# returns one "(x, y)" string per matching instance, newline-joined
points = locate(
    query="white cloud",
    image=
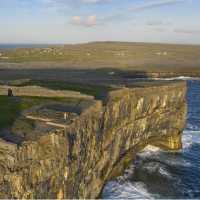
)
(92, 1)
(89, 21)
(155, 3)
(73, 2)
(155, 23)
(145, 5)
(158, 23)
(76, 20)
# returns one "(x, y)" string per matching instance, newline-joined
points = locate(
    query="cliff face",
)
(96, 147)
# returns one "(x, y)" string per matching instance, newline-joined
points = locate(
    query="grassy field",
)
(140, 56)
(97, 91)
(11, 107)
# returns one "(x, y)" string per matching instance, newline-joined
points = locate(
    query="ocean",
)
(165, 175)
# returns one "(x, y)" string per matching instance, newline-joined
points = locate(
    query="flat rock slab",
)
(38, 91)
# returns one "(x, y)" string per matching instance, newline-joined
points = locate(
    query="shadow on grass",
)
(95, 82)
(10, 108)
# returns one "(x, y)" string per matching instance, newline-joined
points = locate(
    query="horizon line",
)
(97, 41)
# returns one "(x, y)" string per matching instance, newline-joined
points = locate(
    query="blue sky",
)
(76, 21)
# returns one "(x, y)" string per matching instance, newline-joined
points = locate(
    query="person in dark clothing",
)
(10, 93)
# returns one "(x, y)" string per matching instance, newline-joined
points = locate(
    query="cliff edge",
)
(98, 145)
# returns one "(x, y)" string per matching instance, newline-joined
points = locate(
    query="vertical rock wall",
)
(99, 145)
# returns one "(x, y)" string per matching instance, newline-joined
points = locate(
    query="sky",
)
(78, 21)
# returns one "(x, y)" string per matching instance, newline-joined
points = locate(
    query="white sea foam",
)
(187, 141)
(122, 188)
(126, 190)
(177, 161)
(165, 173)
(149, 150)
(168, 79)
(192, 127)
(189, 137)
(177, 78)
(158, 154)
(197, 132)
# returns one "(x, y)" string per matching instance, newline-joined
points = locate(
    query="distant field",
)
(108, 54)
(100, 62)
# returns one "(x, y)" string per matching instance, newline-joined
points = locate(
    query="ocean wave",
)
(186, 140)
(192, 127)
(190, 137)
(127, 190)
(197, 132)
(185, 78)
(149, 150)
(158, 155)
(155, 168)
(164, 172)
(178, 78)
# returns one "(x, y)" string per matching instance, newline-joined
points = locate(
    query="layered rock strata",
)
(97, 146)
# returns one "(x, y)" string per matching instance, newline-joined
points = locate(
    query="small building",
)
(158, 53)
(88, 54)
(164, 53)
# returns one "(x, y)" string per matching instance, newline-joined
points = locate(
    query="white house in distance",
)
(165, 53)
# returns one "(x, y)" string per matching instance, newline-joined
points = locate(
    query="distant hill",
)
(121, 55)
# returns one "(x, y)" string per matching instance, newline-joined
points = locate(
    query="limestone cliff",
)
(96, 147)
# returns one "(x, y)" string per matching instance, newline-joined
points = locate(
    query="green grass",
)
(11, 107)
(98, 91)
(106, 53)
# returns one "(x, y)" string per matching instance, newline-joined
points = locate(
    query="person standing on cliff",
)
(10, 93)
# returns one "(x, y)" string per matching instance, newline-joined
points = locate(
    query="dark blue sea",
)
(162, 175)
